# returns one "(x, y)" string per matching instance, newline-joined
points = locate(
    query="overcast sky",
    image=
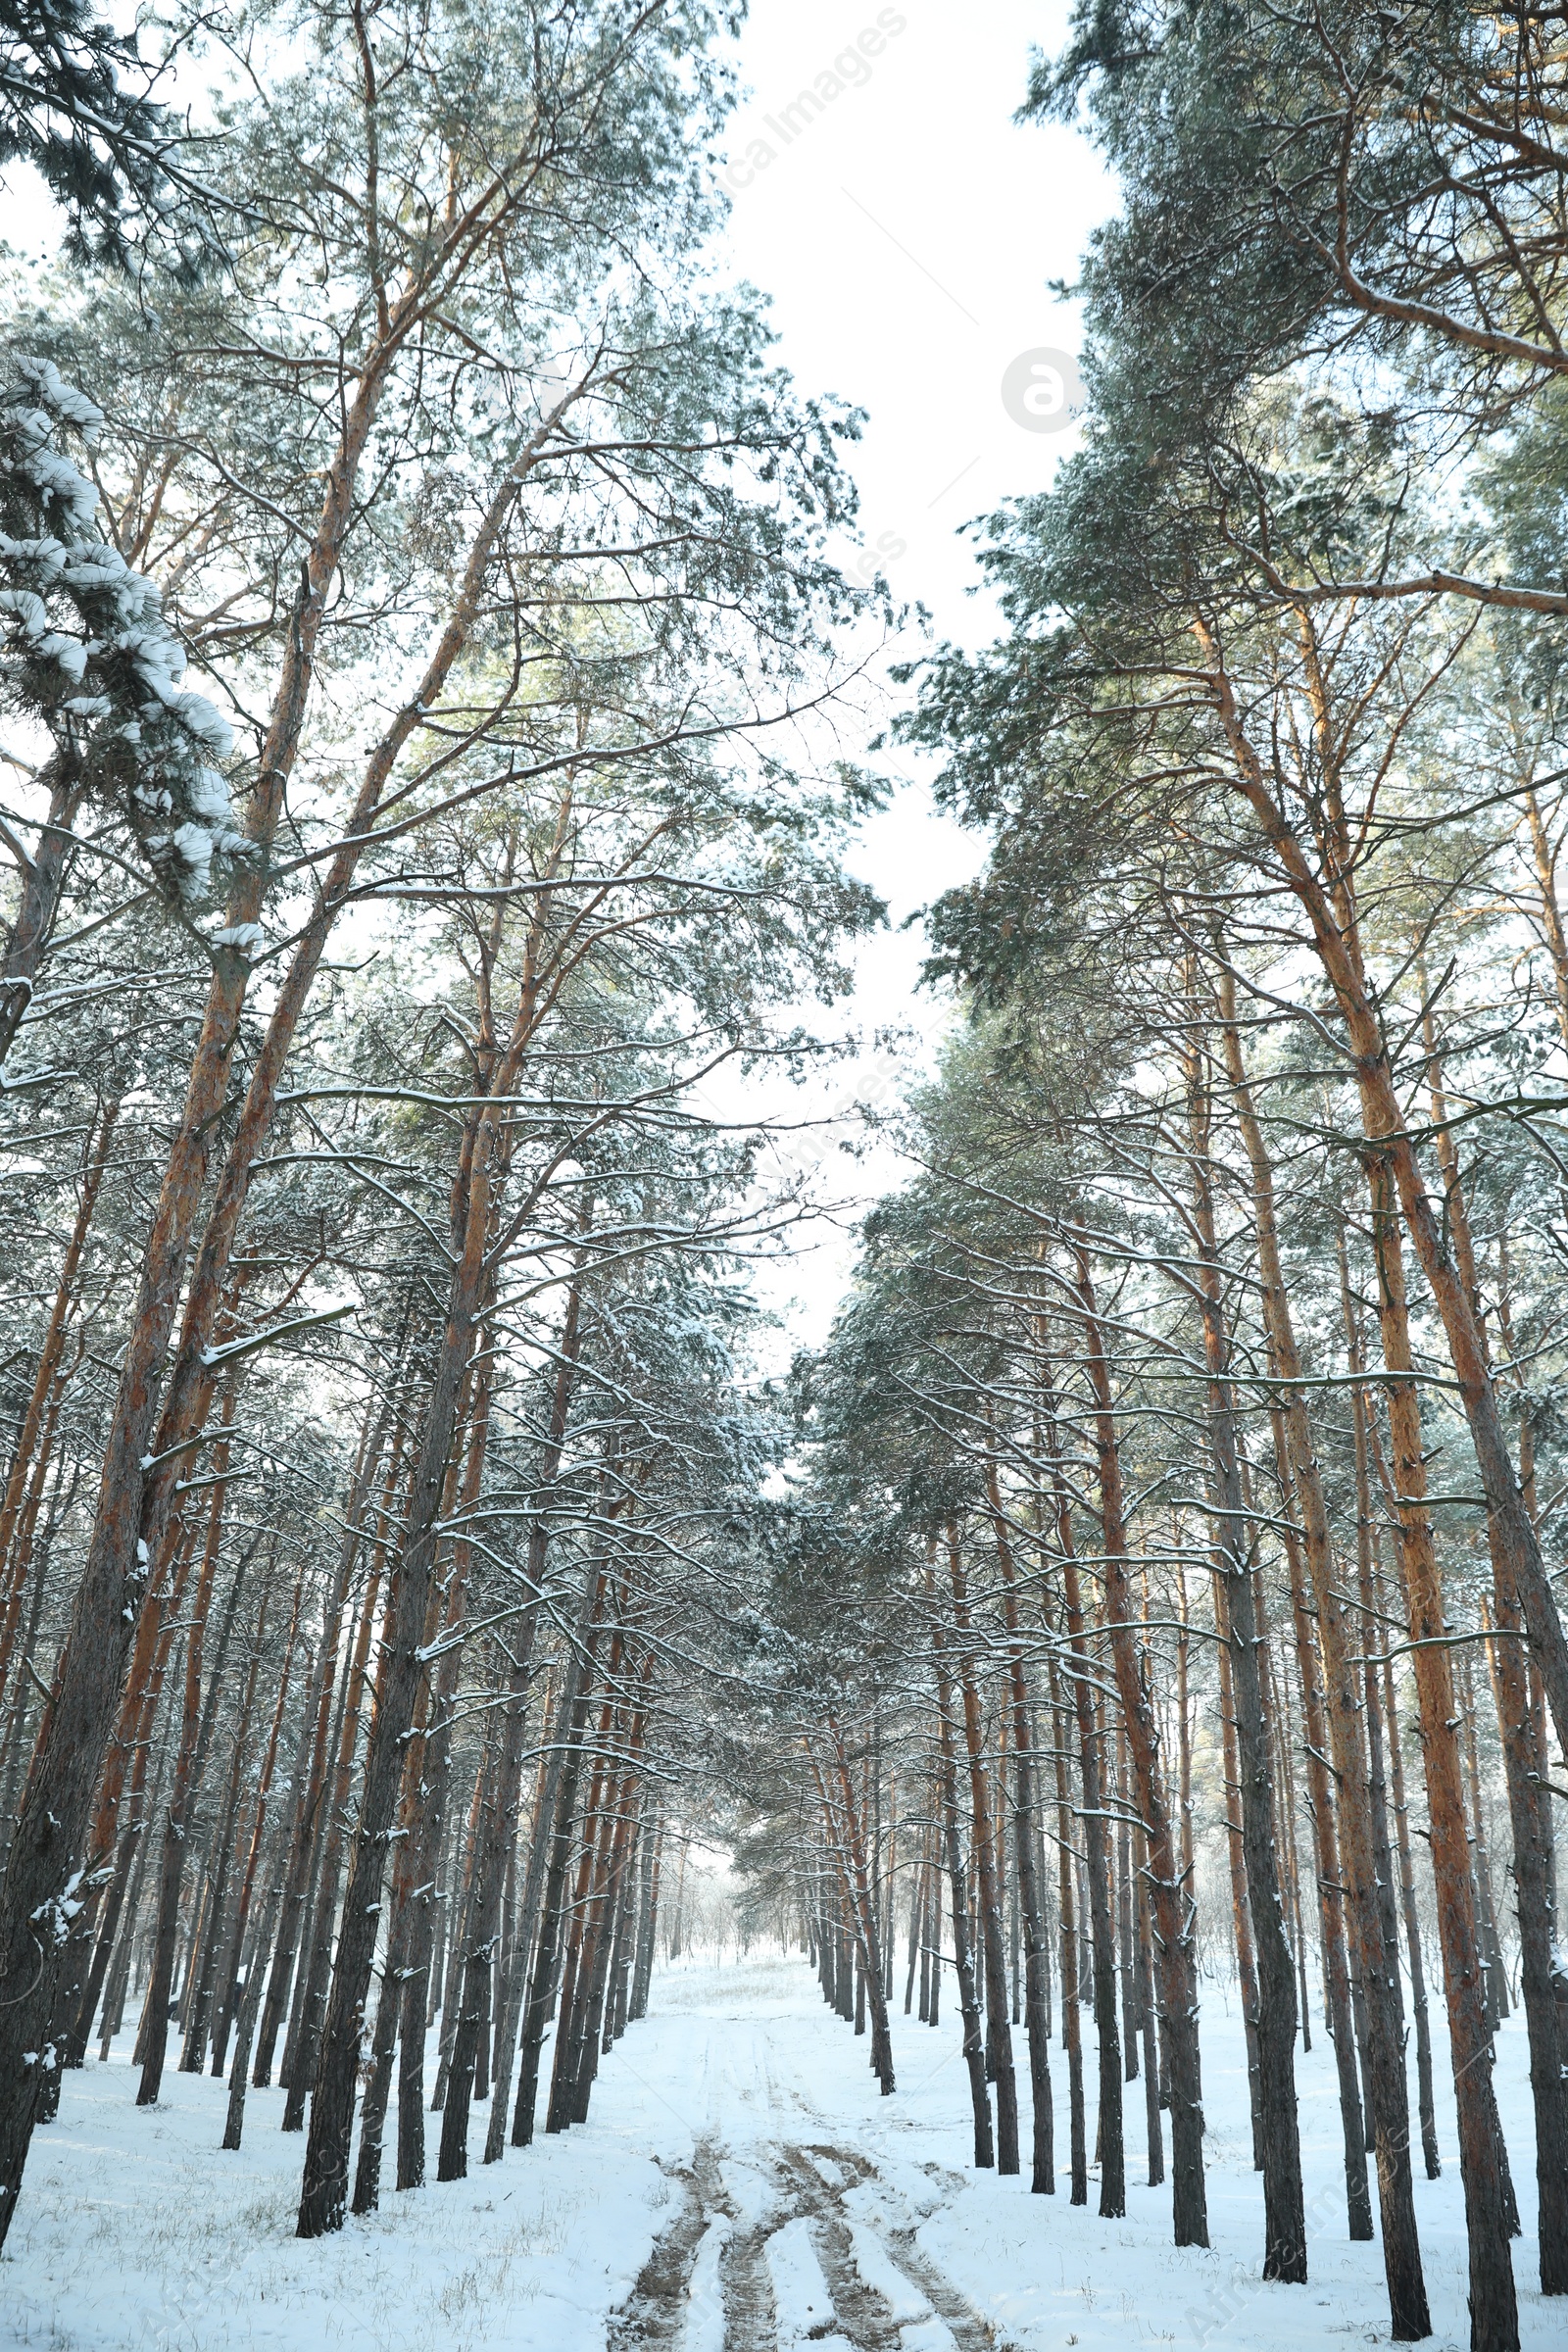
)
(908, 232)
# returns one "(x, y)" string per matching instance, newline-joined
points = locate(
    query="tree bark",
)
(1335, 925)
(497, 1827)
(558, 1822)
(963, 1960)
(1093, 1814)
(173, 1855)
(1025, 1846)
(1078, 2154)
(228, 1975)
(1388, 2099)
(998, 2034)
(1324, 1817)
(859, 1891)
(1493, 2314)
(1169, 1894)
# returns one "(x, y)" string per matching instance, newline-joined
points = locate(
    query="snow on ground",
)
(802, 2300)
(740, 2124)
(704, 2330)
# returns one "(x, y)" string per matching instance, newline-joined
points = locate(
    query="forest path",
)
(814, 2213)
(740, 2186)
(785, 2239)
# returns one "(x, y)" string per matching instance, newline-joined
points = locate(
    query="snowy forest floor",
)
(740, 2186)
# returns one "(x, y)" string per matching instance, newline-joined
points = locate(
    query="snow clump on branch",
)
(86, 653)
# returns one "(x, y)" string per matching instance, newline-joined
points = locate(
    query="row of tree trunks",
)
(1026, 1851)
(1168, 1874)
(310, 1770)
(1284, 2224)
(1494, 2309)
(180, 1798)
(993, 1949)
(1377, 1966)
(43, 1862)
(985, 2154)
(497, 1838)
(231, 1994)
(566, 1729)
(845, 1828)
(1091, 1815)
(1524, 1776)
(30, 1463)
(43, 1866)
(557, 1824)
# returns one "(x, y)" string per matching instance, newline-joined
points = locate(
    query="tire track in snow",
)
(945, 2316)
(762, 2256)
(655, 2312)
(747, 2291)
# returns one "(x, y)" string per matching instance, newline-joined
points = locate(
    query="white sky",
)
(906, 235)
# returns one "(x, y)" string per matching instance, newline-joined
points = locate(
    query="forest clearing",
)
(783, 1374)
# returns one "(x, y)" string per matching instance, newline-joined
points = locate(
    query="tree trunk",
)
(1425, 2091)
(1523, 1764)
(316, 1959)
(643, 1974)
(228, 1975)
(250, 2006)
(1494, 2314)
(383, 2048)
(1241, 1908)
(998, 2034)
(1284, 2224)
(173, 1856)
(1025, 1846)
(1334, 923)
(558, 1821)
(1094, 1815)
(1067, 1904)
(1145, 2010)
(1169, 1894)
(963, 1961)
(1324, 1815)
(1389, 2101)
